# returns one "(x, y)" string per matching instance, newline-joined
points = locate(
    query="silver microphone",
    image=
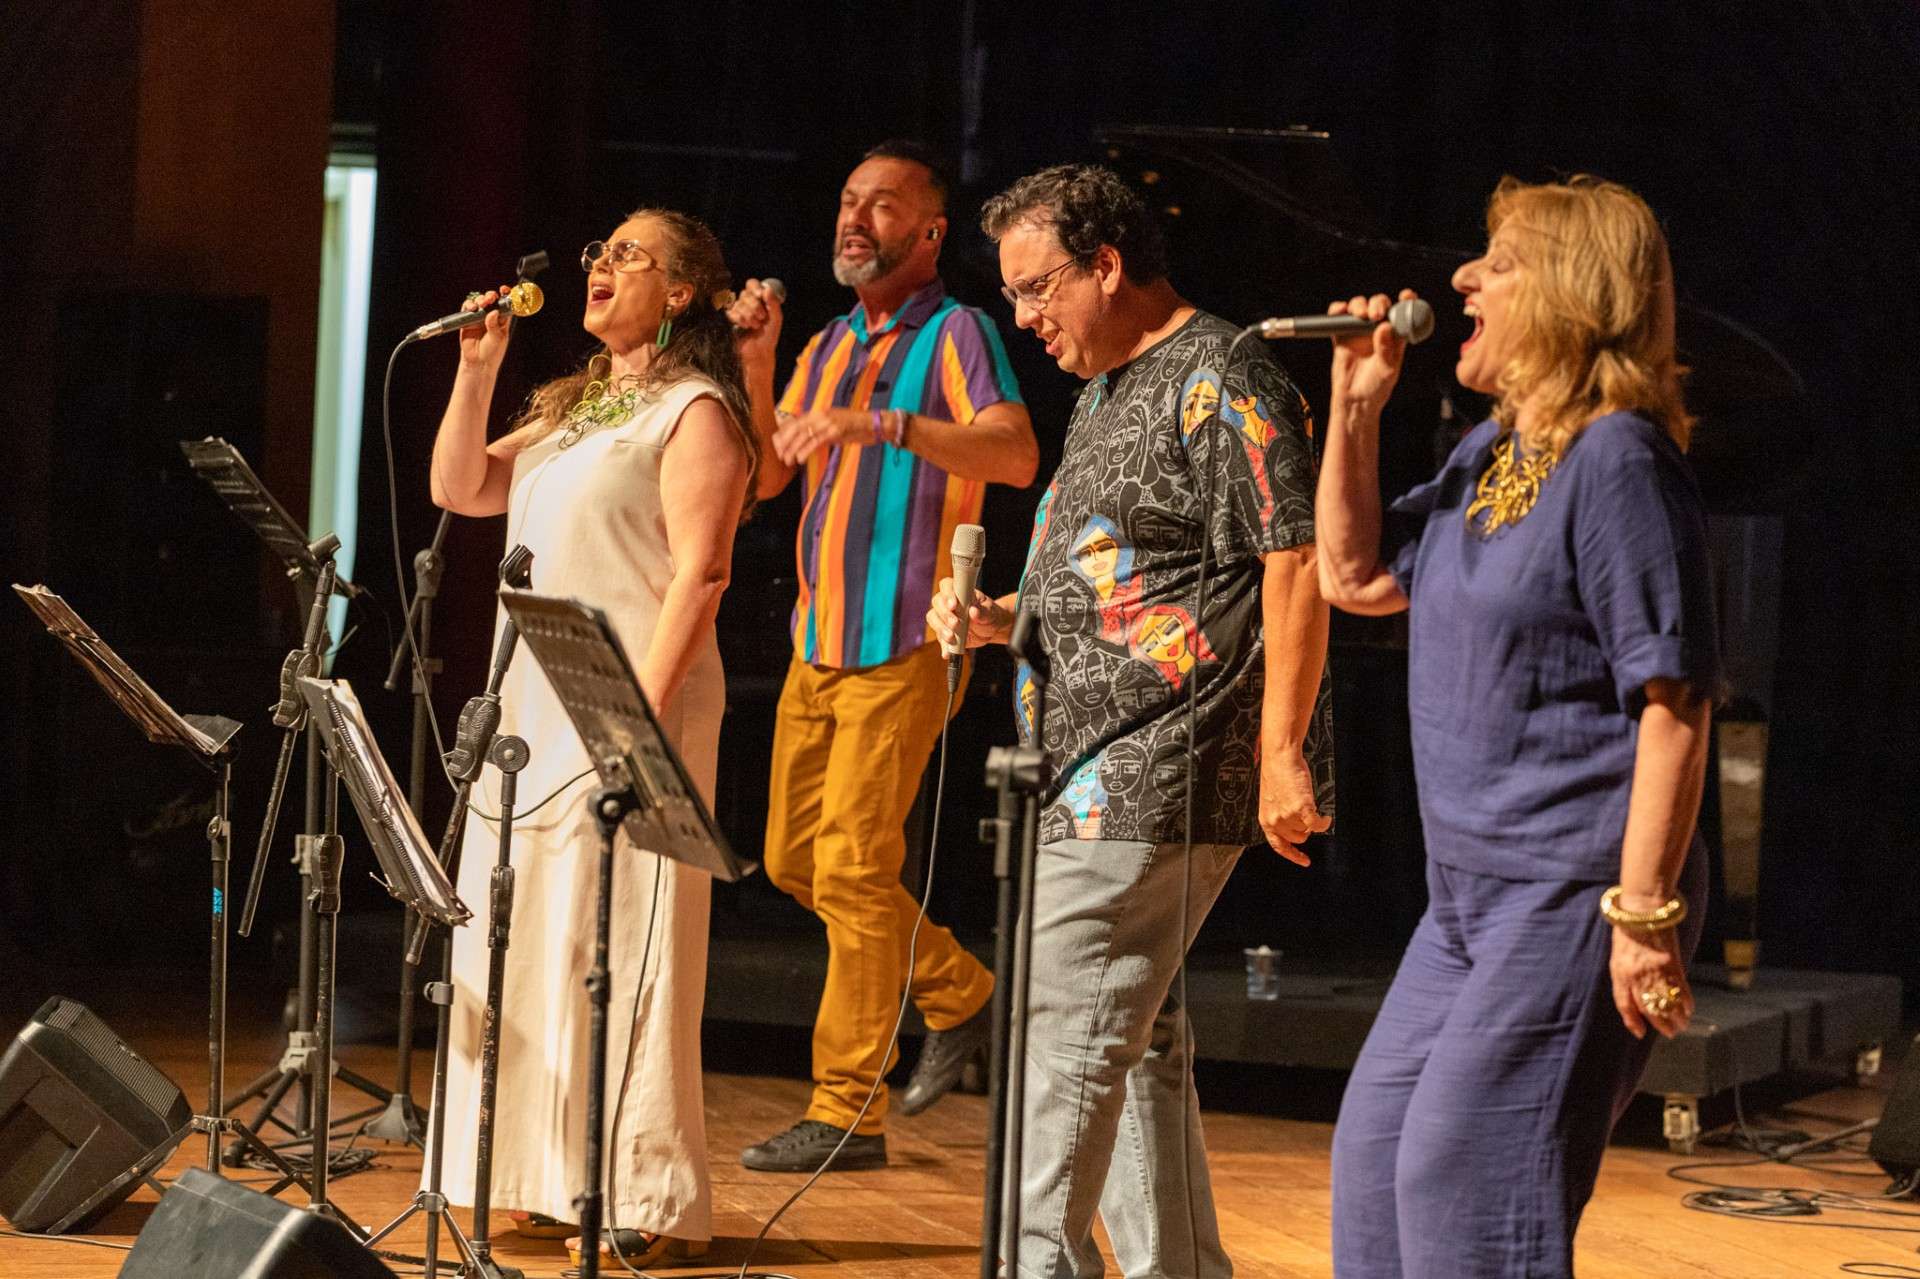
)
(968, 550)
(1411, 318)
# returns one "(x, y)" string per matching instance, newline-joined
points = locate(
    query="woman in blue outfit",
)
(1561, 666)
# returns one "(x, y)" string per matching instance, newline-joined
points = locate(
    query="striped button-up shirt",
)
(878, 521)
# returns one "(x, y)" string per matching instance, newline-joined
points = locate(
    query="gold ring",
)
(1660, 1002)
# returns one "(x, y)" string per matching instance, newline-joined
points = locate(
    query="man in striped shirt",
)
(897, 416)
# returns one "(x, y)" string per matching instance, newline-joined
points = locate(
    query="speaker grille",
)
(153, 1089)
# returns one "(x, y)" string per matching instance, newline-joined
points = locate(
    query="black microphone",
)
(1411, 318)
(522, 299)
(968, 550)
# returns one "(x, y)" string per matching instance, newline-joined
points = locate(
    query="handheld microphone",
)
(1411, 318)
(773, 289)
(522, 299)
(968, 550)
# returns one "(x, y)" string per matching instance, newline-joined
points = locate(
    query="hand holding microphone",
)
(981, 621)
(1367, 360)
(757, 315)
(487, 309)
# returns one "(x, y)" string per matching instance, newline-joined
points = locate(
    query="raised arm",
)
(703, 481)
(468, 476)
(1347, 501)
(757, 317)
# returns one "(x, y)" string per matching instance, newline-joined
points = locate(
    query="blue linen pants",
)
(1473, 1124)
(1110, 1064)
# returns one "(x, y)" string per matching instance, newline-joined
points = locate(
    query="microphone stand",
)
(401, 1121)
(474, 743)
(1020, 774)
(319, 857)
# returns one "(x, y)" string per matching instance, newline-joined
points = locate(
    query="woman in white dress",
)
(626, 479)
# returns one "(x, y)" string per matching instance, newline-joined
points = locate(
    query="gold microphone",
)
(522, 299)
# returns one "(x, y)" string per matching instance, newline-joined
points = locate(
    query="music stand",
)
(221, 465)
(411, 873)
(209, 739)
(643, 788)
(226, 471)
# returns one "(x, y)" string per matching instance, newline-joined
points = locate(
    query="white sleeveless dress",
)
(591, 515)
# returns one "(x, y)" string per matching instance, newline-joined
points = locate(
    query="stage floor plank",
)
(920, 1218)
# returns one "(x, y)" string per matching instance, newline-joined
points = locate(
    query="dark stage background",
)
(163, 204)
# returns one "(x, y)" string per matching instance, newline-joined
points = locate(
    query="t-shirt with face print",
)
(1172, 442)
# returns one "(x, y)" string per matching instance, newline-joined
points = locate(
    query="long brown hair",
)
(701, 345)
(1596, 331)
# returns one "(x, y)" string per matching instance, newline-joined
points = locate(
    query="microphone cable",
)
(415, 661)
(893, 1044)
(893, 1040)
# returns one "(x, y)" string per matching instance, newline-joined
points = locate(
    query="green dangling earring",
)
(666, 330)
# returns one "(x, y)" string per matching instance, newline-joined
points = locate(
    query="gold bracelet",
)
(1650, 921)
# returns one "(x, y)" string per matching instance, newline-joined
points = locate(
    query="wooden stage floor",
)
(920, 1218)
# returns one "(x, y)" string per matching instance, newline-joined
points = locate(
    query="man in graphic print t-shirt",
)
(1169, 445)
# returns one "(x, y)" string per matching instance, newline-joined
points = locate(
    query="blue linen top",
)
(1530, 649)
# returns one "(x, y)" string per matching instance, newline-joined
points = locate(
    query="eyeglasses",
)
(621, 255)
(1029, 291)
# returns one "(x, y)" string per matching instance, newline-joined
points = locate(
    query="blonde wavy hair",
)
(1595, 312)
(701, 345)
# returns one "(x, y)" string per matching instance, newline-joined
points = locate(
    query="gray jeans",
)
(1109, 1064)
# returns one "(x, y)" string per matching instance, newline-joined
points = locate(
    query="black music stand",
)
(209, 739)
(410, 872)
(220, 464)
(643, 789)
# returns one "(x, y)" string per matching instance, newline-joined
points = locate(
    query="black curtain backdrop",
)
(1773, 141)
(1776, 142)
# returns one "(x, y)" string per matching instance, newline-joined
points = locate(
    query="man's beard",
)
(881, 264)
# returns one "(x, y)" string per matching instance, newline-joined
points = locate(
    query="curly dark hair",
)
(1087, 205)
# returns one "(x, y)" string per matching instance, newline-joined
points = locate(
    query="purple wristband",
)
(879, 427)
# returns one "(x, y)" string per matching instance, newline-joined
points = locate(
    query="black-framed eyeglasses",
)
(1030, 292)
(621, 255)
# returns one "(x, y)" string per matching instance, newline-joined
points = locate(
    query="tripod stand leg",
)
(365, 1085)
(261, 1082)
(283, 1080)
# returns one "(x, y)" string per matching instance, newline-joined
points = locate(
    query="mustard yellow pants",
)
(848, 752)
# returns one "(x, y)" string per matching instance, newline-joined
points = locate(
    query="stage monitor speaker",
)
(210, 1228)
(1895, 1144)
(78, 1109)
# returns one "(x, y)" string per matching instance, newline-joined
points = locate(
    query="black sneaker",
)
(944, 1058)
(806, 1145)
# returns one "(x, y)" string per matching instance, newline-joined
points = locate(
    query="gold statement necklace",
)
(1509, 489)
(599, 405)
